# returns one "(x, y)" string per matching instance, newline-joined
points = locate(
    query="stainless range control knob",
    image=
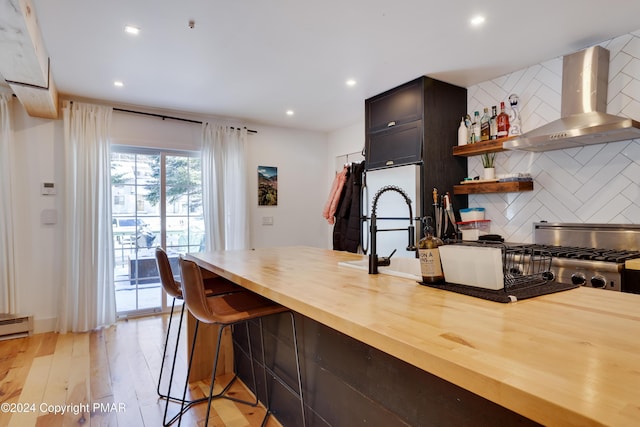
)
(598, 282)
(578, 279)
(549, 275)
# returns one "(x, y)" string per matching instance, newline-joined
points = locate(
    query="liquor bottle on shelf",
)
(515, 124)
(476, 126)
(463, 135)
(484, 125)
(503, 122)
(493, 123)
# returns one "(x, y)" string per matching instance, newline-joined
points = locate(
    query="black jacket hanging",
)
(348, 228)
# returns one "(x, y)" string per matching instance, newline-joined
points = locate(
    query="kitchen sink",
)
(407, 268)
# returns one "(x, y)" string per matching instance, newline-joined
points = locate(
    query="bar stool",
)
(213, 286)
(229, 310)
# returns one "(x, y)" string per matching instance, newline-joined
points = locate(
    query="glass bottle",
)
(503, 122)
(515, 124)
(484, 125)
(429, 254)
(493, 123)
(469, 125)
(476, 126)
(463, 136)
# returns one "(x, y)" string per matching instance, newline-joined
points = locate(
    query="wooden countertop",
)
(570, 358)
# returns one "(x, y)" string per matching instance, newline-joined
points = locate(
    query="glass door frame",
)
(165, 304)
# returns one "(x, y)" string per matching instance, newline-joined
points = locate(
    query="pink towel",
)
(334, 196)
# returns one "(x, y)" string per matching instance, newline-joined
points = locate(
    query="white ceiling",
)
(255, 59)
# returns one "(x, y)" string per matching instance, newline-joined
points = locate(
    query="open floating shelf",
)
(493, 187)
(478, 148)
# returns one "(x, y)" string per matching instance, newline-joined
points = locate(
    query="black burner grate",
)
(592, 254)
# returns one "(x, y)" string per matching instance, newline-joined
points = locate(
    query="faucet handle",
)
(385, 261)
(412, 238)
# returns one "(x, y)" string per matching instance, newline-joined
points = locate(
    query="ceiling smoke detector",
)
(192, 24)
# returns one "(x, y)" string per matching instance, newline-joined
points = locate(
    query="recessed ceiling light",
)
(289, 112)
(118, 83)
(131, 29)
(477, 20)
(350, 82)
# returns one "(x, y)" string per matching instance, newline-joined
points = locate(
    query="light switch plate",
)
(48, 188)
(267, 220)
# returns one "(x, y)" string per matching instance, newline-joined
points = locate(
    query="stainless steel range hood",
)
(585, 77)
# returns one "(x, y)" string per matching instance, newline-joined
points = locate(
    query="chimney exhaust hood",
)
(584, 121)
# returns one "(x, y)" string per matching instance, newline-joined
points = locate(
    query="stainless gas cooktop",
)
(588, 254)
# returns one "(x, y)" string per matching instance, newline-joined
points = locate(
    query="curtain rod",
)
(163, 117)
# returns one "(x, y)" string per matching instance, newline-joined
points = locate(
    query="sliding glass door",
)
(156, 201)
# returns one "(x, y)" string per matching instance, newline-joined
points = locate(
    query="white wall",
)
(38, 153)
(39, 157)
(145, 131)
(298, 155)
(591, 184)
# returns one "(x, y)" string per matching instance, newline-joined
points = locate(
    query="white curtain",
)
(224, 187)
(87, 295)
(8, 297)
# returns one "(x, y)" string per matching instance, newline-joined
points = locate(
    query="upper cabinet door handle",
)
(391, 124)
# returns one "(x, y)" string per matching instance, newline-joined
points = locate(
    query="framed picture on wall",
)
(267, 186)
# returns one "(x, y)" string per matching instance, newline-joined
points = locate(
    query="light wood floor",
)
(103, 378)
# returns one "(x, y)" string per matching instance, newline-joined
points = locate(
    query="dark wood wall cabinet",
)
(417, 123)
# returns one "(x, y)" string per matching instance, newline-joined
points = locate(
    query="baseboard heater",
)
(15, 326)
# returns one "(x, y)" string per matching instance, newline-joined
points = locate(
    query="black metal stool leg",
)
(182, 401)
(175, 356)
(178, 416)
(164, 352)
(213, 374)
(186, 404)
(235, 374)
(222, 394)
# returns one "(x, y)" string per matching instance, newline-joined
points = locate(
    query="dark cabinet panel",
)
(394, 147)
(349, 383)
(424, 115)
(444, 105)
(394, 107)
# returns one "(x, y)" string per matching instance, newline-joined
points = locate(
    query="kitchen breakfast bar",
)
(433, 357)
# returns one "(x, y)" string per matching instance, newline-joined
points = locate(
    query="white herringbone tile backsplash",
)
(592, 184)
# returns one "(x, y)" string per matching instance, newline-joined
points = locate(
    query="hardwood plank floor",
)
(106, 377)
